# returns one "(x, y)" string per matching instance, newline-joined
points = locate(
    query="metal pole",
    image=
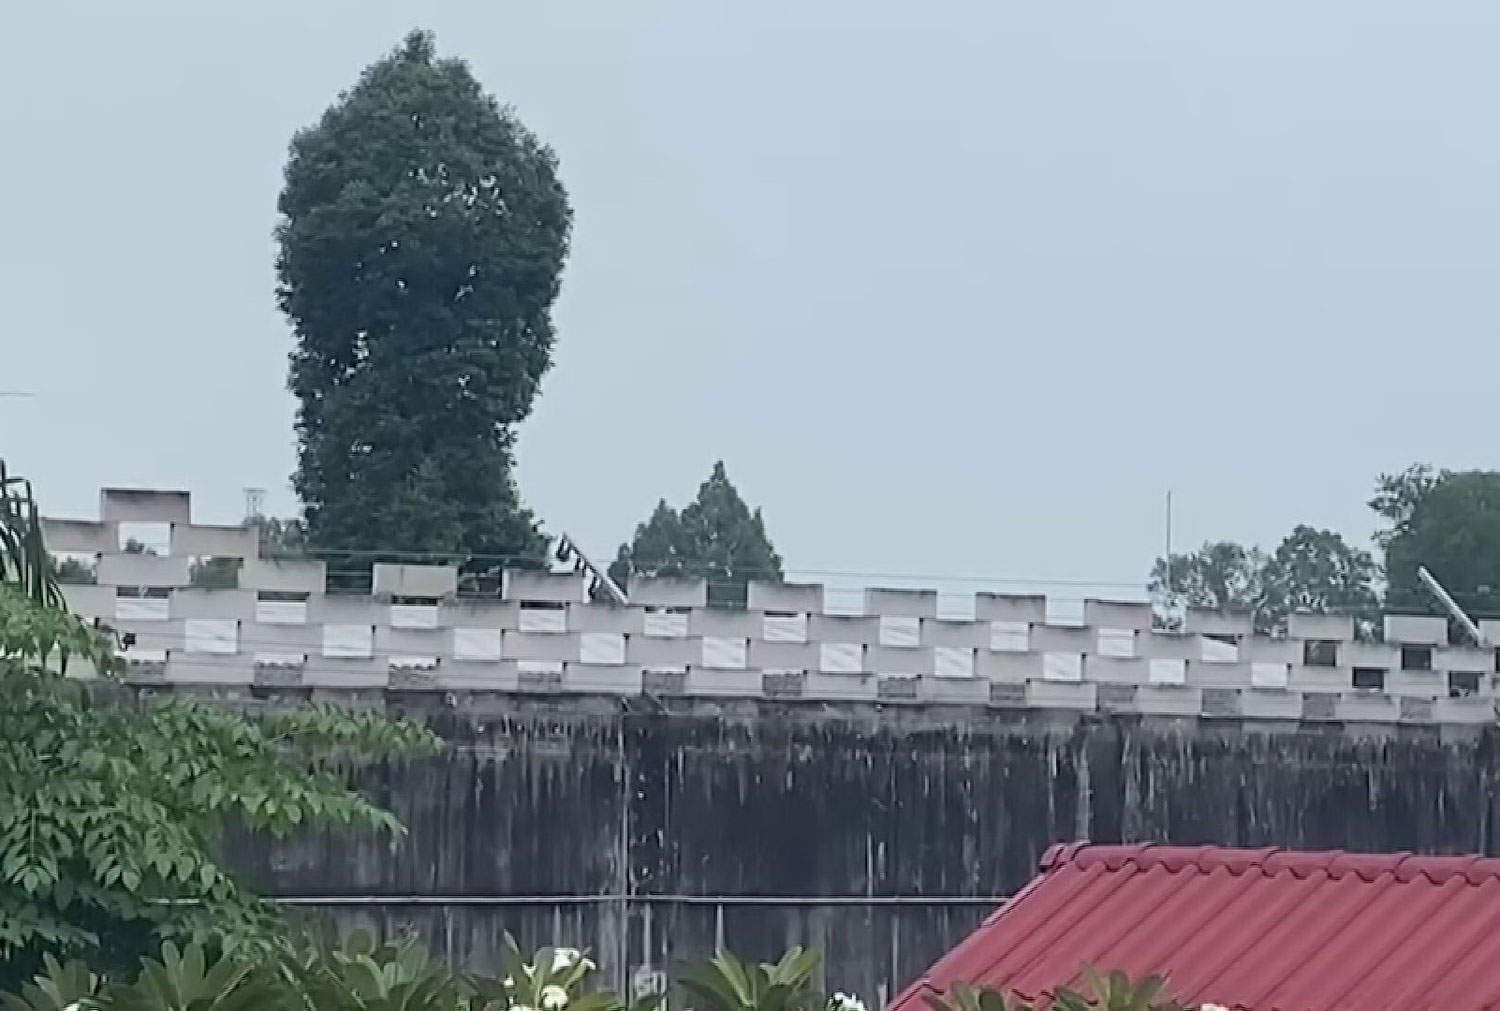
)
(1449, 604)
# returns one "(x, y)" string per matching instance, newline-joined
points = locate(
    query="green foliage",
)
(422, 238)
(1318, 572)
(280, 538)
(74, 570)
(110, 811)
(964, 997)
(1311, 570)
(726, 983)
(25, 565)
(188, 981)
(1116, 992)
(58, 986)
(1113, 992)
(360, 973)
(217, 573)
(375, 976)
(1222, 576)
(1448, 521)
(716, 537)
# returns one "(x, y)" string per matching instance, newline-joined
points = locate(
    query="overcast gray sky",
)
(955, 287)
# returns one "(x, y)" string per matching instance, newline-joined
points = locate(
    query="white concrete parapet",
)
(280, 628)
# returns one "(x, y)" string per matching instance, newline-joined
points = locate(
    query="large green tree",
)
(1317, 571)
(1448, 521)
(423, 233)
(1310, 570)
(1221, 575)
(111, 809)
(717, 537)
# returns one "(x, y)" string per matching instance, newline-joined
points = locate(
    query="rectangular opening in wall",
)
(1462, 683)
(1269, 675)
(1320, 653)
(665, 622)
(75, 567)
(543, 616)
(145, 538)
(784, 626)
(1221, 648)
(414, 612)
(281, 607)
(1369, 679)
(142, 603)
(1416, 658)
(211, 572)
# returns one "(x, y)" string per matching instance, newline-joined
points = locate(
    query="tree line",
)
(1445, 520)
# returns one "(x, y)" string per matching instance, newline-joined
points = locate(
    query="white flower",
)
(846, 1002)
(1212, 1007)
(554, 997)
(564, 957)
(508, 983)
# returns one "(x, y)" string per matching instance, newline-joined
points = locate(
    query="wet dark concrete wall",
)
(650, 832)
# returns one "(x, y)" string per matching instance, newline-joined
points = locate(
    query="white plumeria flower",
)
(846, 1002)
(562, 958)
(554, 997)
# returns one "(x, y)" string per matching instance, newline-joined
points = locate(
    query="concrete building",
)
(277, 626)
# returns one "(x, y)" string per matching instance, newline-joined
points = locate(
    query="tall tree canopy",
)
(717, 538)
(1448, 521)
(422, 237)
(1311, 570)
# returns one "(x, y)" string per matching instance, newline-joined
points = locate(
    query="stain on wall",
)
(651, 831)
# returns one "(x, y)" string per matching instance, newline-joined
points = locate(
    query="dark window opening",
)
(1321, 653)
(285, 596)
(1416, 658)
(1369, 679)
(1463, 682)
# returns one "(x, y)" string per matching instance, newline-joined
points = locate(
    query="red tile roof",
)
(1268, 930)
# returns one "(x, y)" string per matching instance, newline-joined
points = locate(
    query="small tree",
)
(110, 811)
(1221, 576)
(716, 538)
(1318, 572)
